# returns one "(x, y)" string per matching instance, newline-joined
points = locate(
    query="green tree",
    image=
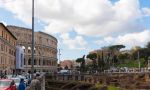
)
(101, 62)
(122, 57)
(79, 60)
(144, 53)
(114, 51)
(82, 63)
(148, 45)
(116, 47)
(93, 57)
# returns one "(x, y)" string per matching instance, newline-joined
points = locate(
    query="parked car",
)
(64, 72)
(5, 84)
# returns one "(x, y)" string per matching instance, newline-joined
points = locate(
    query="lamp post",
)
(32, 64)
(59, 56)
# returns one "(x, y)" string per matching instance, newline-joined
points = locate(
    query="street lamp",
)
(32, 65)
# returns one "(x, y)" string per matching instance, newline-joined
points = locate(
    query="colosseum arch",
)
(45, 48)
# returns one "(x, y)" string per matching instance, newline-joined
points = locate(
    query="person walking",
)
(22, 85)
(35, 84)
(28, 88)
(12, 86)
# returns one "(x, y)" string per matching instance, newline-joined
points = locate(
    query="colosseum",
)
(45, 51)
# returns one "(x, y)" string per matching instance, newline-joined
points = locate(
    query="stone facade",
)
(7, 49)
(45, 51)
(67, 63)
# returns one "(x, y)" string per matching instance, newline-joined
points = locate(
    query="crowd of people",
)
(32, 84)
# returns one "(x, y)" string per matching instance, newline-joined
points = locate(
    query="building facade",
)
(7, 49)
(66, 63)
(45, 50)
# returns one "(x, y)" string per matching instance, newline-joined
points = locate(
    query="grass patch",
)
(109, 87)
(113, 88)
(98, 85)
(133, 63)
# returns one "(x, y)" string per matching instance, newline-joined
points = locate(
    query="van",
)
(64, 72)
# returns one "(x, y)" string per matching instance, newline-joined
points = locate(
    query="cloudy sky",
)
(83, 25)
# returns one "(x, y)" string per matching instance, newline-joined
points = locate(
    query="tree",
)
(82, 63)
(148, 45)
(79, 60)
(144, 53)
(93, 57)
(115, 59)
(101, 62)
(122, 57)
(114, 49)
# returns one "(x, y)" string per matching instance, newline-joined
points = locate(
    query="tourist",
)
(35, 83)
(22, 85)
(12, 86)
(28, 88)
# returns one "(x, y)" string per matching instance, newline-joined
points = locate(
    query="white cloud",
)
(58, 27)
(20, 9)
(73, 43)
(4, 23)
(87, 17)
(146, 11)
(129, 40)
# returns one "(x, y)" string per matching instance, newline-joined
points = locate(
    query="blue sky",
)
(83, 25)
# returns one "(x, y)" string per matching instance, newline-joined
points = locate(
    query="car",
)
(5, 84)
(64, 72)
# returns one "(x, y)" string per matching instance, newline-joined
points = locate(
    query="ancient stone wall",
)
(45, 51)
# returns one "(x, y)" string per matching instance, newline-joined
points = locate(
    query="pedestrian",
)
(22, 85)
(28, 88)
(12, 86)
(35, 84)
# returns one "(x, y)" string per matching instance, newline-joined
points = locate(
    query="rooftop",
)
(7, 30)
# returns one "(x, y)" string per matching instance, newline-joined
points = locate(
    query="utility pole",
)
(59, 56)
(32, 66)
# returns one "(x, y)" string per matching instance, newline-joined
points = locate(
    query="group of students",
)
(33, 84)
